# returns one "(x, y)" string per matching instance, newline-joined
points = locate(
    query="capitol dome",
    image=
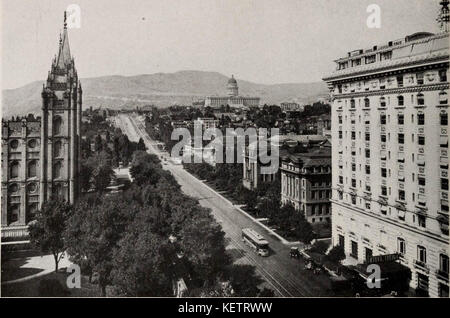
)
(232, 87)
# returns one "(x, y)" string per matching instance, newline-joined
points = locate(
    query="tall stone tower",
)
(61, 127)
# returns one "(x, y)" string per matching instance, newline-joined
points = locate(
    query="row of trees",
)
(141, 241)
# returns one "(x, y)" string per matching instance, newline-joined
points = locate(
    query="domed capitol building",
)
(233, 99)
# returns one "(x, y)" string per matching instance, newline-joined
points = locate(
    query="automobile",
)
(295, 252)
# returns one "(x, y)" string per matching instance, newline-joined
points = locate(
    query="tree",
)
(319, 247)
(302, 229)
(336, 254)
(94, 229)
(46, 232)
(141, 145)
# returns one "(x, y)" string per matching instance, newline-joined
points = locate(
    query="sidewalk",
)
(46, 265)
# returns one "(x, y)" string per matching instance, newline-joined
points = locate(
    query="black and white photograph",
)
(239, 152)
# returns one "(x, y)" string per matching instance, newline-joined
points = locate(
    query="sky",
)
(263, 41)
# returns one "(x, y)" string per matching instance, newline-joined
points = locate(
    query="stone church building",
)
(41, 156)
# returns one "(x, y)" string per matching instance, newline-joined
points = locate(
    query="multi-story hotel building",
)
(306, 183)
(390, 156)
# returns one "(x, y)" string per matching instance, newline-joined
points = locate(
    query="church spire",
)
(64, 57)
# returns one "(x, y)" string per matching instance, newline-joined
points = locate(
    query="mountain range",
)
(160, 89)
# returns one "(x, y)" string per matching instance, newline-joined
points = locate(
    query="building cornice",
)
(377, 71)
(401, 90)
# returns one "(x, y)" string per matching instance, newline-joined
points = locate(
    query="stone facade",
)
(41, 156)
(390, 155)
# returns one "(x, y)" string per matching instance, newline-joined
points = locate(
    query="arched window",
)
(400, 100)
(366, 102)
(32, 169)
(443, 100)
(420, 99)
(14, 170)
(57, 167)
(57, 125)
(57, 148)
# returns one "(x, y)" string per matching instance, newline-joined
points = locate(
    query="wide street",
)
(285, 276)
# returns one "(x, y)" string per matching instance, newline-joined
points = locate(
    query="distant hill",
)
(160, 89)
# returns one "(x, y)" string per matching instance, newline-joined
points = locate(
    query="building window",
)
(32, 169)
(352, 103)
(420, 79)
(367, 169)
(383, 138)
(370, 59)
(421, 254)
(444, 184)
(400, 81)
(443, 290)
(354, 183)
(366, 102)
(57, 167)
(443, 100)
(421, 219)
(421, 119)
(401, 119)
(57, 125)
(401, 195)
(421, 181)
(444, 119)
(340, 134)
(340, 119)
(443, 75)
(400, 100)
(14, 169)
(341, 179)
(367, 136)
(420, 99)
(354, 252)
(443, 263)
(341, 240)
(368, 253)
(353, 135)
(382, 101)
(383, 191)
(383, 172)
(383, 119)
(13, 213)
(401, 139)
(421, 140)
(57, 146)
(401, 246)
(367, 153)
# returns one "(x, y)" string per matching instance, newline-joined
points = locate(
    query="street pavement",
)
(285, 276)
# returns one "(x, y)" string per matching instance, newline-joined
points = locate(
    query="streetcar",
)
(255, 240)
